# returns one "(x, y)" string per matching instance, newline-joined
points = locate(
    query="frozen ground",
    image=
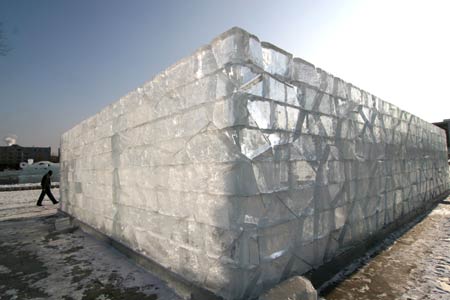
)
(22, 204)
(19, 186)
(413, 266)
(39, 262)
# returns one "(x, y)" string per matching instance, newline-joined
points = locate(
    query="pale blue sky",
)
(69, 59)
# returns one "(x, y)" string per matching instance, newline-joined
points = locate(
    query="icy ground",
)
(22, 204)
(412, 266)
(39, 262)
(24, 186)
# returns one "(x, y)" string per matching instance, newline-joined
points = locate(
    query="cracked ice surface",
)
(241, 165)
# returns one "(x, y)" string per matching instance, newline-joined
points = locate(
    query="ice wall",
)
(241, 165)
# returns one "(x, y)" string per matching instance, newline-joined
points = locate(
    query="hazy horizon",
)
(71, 59)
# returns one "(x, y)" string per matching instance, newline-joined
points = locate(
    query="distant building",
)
(12, 156)
(55, 158)
(445, 125)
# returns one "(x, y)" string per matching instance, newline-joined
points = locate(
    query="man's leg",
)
(41, 197)
(50, 195)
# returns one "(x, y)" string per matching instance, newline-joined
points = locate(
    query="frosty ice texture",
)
(241, 165)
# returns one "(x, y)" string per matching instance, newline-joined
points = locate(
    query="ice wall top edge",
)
(295, 59)
(237, 31)
(230, 32)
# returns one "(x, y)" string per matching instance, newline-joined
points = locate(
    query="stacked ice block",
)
(241, 165)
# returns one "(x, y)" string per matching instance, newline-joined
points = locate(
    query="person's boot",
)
(38, 204)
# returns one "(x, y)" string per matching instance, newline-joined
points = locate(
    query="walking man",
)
(46, 185)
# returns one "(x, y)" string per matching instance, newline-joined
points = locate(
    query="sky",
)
(69, 59)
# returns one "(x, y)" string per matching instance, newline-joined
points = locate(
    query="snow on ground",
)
(20, 185)
(22, 204)
(24, 186)
(410, 265)
(39, 262)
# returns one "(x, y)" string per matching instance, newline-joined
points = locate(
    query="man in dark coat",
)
(46, 185)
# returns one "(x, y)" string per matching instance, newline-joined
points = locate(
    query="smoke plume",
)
(10, 139)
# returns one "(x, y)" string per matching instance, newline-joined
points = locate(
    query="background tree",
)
(4, 49)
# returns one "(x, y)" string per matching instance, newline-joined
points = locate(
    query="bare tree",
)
(4, 49)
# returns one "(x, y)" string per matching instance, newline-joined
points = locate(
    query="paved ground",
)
(39, 262)
(413, 266)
